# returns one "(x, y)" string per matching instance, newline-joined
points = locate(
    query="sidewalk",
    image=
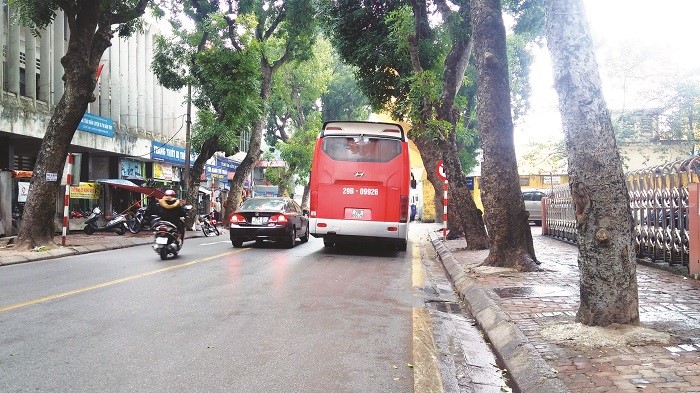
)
(529, 319)
(80, 243)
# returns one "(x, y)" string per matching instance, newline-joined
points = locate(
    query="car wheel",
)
(237, 243)
(292, 239)
(328, 242)
(305, 237)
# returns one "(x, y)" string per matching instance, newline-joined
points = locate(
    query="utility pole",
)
(188, 121)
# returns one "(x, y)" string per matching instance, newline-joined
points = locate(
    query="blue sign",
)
(227, 163)
(470, 182)
(170, 153)
(97, 125)
(215, 170)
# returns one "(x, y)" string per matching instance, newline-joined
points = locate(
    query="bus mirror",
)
(413, 183)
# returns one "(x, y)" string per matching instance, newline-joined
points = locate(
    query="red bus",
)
(360, 181)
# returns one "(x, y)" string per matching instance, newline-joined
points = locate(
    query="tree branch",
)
(131, 14)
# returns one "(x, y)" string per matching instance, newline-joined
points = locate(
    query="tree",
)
(414, 72)
(284, 31)
(344, 99)
(604, 222)
(91, 30)
(225, 78)
(505, 214)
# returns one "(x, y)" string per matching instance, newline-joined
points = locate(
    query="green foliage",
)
(344, 100)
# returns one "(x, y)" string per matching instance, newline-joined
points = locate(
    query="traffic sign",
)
(440, 170)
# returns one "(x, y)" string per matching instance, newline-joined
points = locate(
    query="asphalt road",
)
(219, 319)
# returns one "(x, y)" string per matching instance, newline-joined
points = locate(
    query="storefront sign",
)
(97, 125)
(162, 171)
(227, 163)
(22, 191)
(213, 171)
(85, 190)
(170, 153)
(131, 168)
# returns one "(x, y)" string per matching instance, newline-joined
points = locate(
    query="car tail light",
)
(237, 218)
(313, 203)
(403, 213)
(279, 219)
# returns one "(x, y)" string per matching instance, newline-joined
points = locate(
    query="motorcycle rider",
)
(171, 209)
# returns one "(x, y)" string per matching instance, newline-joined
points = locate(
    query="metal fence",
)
(659, 205)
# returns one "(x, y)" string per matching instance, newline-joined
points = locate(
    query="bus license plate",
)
(259, 220)
(358, 214)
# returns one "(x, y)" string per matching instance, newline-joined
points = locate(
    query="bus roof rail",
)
(366, 128)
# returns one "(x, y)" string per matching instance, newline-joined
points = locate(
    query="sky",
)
(662, 35)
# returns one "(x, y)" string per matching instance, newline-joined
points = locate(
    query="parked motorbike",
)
(167, 239)
(208, 225)
(141, 221)
(116, 224)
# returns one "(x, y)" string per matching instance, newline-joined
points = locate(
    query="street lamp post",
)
(188, 121)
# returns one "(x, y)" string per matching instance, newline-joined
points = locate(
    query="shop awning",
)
(204, 190)
(131, 186)
(21, 174)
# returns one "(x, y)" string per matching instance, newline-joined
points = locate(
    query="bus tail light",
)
(313, 203)
(403, 213)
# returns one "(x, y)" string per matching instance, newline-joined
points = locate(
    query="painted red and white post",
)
(444, 211)
(440, 171)
(66, 198)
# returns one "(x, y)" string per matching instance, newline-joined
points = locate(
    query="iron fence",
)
(659, 206)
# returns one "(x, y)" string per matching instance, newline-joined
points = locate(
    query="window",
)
(361, 149)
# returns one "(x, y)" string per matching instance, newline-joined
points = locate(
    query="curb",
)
(528, 371)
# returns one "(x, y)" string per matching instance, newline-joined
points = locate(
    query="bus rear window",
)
(361, 148)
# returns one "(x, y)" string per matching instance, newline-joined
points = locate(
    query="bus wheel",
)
(328, 242)
(402, 245)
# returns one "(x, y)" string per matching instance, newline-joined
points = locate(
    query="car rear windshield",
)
(263, 204)
(361, 148)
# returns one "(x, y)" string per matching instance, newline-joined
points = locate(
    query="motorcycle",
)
(116, 224)
(208, 225)
(167, 237)
(140, 221)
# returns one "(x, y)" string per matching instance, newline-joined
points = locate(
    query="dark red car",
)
(269, 218)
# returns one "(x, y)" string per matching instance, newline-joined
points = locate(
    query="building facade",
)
(134, 131)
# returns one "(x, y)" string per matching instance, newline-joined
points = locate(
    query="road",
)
(255, 319)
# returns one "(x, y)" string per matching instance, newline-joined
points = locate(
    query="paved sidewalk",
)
(529, 319)
(80, 243)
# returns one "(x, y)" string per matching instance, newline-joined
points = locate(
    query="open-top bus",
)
(360, 181)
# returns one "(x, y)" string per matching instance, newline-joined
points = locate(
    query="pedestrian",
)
(414, 210)
(217, 209)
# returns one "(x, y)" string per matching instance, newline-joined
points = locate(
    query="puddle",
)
(535, 291)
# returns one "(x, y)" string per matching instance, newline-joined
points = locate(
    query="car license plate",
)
(161, 240)
(358, 214)
(259, 220)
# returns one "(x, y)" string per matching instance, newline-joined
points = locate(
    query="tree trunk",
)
(605, 225)
(505, 214)
(209, 147)
(86, 45)
(253, 155)
(430, 152)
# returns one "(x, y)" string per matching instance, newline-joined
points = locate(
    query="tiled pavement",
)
(537, 305)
